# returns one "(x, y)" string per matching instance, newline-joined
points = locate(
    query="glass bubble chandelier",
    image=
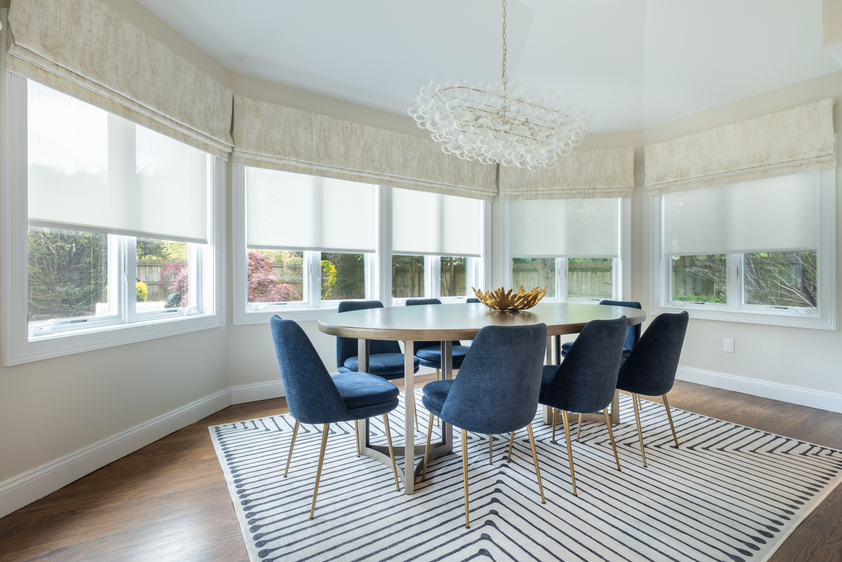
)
(496, 122)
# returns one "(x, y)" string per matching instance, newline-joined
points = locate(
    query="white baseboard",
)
(257, 391)
(786, 393)
(34, 484)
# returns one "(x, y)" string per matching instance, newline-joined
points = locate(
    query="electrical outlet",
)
(728, 345)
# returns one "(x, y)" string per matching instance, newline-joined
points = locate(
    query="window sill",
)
(788, 319)
(298, 314)
(68, 343)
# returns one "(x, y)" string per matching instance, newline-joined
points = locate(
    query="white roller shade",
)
(93, 171)
(778, 214)
(558, 228)
(287, 211)
(435, 225)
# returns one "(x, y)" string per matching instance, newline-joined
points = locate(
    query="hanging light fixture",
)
(493, 121)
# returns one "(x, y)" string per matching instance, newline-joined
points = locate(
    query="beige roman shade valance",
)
(272, 136)
(785, 142)
(583, 174)
(85, 49)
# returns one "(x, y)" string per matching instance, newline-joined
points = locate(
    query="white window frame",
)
(621, 270)
(122, 328)
(822, 318)
(378, 264)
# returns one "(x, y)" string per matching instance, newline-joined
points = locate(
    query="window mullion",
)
(561, 276)
(735, 282)
(128, 293)
(314, 280)
(432, 272)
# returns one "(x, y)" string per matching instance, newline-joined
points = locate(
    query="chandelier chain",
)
(504, 44)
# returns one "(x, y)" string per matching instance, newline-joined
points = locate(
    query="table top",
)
(462, 321)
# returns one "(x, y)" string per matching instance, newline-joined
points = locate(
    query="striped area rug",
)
(730, 493)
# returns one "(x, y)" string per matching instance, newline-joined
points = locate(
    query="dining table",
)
(446, 323)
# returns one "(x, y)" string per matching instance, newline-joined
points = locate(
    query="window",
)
(758, 251)
(304, 243)
(112, 223)
(573, 247)
(436, 245)
(308, 240)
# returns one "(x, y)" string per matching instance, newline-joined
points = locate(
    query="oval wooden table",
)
(446, 323)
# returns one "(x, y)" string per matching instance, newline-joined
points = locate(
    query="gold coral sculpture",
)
(505, 301)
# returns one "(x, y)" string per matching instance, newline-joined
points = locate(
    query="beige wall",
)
(831, 21)
(51, 408)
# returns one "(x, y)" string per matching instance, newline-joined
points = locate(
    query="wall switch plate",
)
(728, 345)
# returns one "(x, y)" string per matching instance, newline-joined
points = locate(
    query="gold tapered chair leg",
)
(490, 449)
(639, 428)
(319, 469)
(569, 449)
(416, 420)
(579, 428)
(611, 435)
(535, 460)
(391, 451)
(291, 445)
(555, 415)
(465, 475)
(427, 450)
(357, 433)
(511, 443)
(669, 417)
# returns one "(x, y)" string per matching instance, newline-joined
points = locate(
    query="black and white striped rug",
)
(730, 493)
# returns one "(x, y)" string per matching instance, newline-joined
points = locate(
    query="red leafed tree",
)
(264, 285)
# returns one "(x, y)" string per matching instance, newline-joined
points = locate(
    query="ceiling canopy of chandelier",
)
(496, 122)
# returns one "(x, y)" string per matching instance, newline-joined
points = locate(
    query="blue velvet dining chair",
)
(586, 380)
(472, 300)
(632, 332)
(314, 397)
(385, 357)
(496, 391)
(429, 352)
(651, 367)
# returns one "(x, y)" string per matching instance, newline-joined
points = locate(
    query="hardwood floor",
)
(169, 501)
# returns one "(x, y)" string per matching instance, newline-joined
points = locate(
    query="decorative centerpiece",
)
(504, 301)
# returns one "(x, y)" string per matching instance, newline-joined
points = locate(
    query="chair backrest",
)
(499, 380)
(632, 332)
(347, 347)
(651, 367)
(472, 300)
(422, 344)
(310, 393)
(586, 379)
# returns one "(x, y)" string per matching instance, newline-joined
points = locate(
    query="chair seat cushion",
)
(388, 365)
(565, 348)
(435, 393)
(365, 391)
(547, 375)
(433, 355)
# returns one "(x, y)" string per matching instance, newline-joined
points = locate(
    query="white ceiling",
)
(634, 63)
